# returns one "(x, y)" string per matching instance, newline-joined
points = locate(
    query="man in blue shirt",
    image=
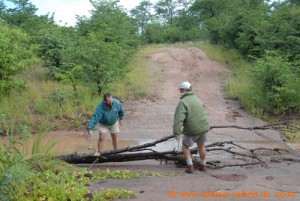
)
(109, 115)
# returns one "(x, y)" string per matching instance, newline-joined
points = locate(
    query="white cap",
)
(185, 85)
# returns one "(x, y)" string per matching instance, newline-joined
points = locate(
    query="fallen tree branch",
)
(137, 147)
(235, 165)
(265, 127)
(277, 150)
(144, 152)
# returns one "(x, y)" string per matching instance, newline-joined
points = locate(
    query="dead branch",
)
(235, 165)
(144, 152)
(137, 147)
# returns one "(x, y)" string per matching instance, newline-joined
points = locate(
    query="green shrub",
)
(14, 169)
(276, 86)
(16, 55)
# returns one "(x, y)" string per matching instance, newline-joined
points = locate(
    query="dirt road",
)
(153, 118)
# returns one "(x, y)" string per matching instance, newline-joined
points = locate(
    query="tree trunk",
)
(144, 152)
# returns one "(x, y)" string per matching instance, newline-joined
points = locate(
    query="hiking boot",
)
(189, 169)
(202, 168)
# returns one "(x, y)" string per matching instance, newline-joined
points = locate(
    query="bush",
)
(16, 54)
(276, 86)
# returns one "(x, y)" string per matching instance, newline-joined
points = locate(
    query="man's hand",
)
(90, 133)
(121, 122)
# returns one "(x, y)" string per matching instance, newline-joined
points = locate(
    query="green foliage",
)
(23, 15)
(18, 15)
(111, 23)
(154, 33)
(55, 186)
(293, 135)
(276, 85)
(13, 171)
(142, 14)
(39, 177)
(9, 125)
(2, 8)
(13, 167)
(58, 96)
(51, 50)
(16, 55)
(75, 77)
(152, 174)
(104, 62)
(112, 194)
(116, 174)
(254, 28)
(269, 85)
(221, 53)
(40, 148)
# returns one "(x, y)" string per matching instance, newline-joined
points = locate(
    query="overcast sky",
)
(66, 10)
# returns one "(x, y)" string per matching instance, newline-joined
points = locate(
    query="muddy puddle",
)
(68, 143)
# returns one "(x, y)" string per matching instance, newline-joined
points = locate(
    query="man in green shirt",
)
(191, 121)
(108, 115)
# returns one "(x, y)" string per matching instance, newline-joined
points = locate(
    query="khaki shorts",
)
(190, 140)
(105, 128)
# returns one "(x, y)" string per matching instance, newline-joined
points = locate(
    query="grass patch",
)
(294, 134)
(116, 174)
(136, 83)
(112, 194)
(152, 174)
(46, 103)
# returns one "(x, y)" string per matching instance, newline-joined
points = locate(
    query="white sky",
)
(66, 10)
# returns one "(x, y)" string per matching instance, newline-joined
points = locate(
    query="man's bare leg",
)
(187, 155)
(186, 152)
(101, 142)
(202, 153)
(114, 140)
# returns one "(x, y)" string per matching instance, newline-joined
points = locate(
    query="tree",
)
(276, 85)
(103, 62)
(16, 54)
(74, 76)
(142, 13)
(2, 8)
(282, 32)
(51, 50)
(112, 24)
(166, 10)
(21, 13)
(154, 33)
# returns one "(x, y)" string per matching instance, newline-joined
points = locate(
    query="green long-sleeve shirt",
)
(190, 114)
(106, 115)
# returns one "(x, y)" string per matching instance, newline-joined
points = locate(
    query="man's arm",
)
(95, 119)
(121, 114)
(179, 117)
